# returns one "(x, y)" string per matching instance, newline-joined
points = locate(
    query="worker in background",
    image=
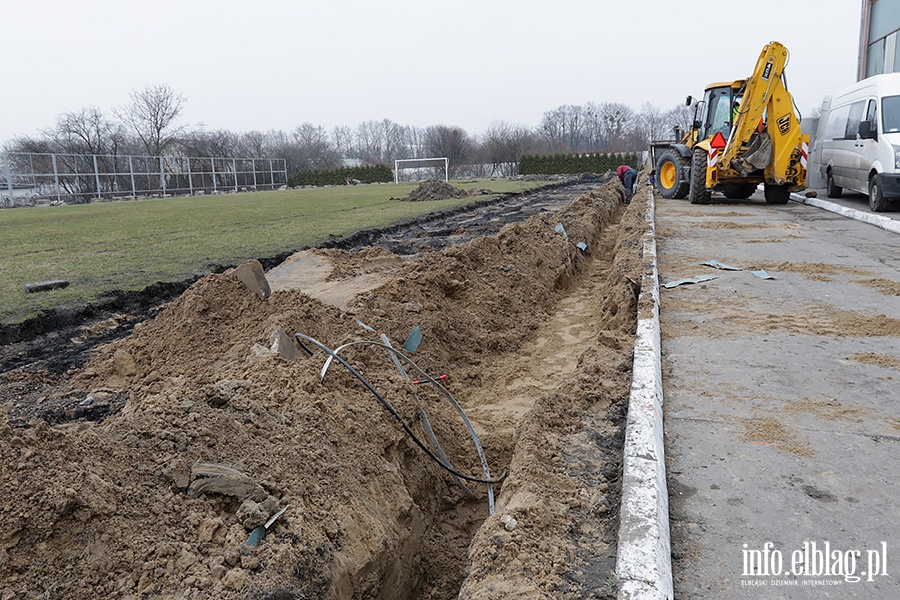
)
(627, 176)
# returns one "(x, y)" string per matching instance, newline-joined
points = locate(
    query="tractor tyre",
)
(672, 175)
(738, 191)
(777, 194)
(698, 192)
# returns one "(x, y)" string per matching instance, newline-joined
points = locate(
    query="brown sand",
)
(536, 337)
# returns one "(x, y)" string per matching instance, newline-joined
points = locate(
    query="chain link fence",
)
(28, 179)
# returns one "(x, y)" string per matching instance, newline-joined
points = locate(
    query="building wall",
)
(879, 42)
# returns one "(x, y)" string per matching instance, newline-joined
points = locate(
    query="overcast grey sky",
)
(274, 64)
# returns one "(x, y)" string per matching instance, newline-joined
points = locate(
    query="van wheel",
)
(832, 190)
(877, 201)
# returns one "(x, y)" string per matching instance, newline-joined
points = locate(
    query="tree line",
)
(148, 125)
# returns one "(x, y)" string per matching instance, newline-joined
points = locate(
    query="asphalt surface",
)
(781, 401)
(857, 201)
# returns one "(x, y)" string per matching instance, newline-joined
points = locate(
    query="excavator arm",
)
(765, 133)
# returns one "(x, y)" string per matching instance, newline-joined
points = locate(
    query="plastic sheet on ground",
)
(762, 274)
(721, 266)
(688, 280)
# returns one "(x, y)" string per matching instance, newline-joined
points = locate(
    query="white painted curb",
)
(870, 218)
(644, 558)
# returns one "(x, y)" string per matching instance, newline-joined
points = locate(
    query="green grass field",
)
(130, 245)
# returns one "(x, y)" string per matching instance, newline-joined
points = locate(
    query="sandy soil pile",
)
(219, 432)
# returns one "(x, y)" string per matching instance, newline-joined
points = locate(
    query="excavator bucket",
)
(757, 156)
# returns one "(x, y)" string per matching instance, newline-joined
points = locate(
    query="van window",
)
(890, 113)
(856, 113)
(837, 123)
(872, 112)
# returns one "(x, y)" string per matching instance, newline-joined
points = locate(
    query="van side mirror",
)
(868, 130)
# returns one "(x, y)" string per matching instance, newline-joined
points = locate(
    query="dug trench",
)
(220, 429)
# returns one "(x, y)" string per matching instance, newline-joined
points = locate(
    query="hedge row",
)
(555, 164)
(339, 176)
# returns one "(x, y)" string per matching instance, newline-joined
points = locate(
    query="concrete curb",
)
(870, 218)
(644, 558)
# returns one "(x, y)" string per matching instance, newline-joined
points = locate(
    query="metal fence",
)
(27, 179)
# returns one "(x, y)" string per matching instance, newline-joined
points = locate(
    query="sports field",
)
(129, 245)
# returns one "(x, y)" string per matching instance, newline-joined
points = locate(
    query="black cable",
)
(399, 419)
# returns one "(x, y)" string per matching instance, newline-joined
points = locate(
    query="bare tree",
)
(593, 128)
(552, 131)
(342, 140)
(681, 116)
(394, 141)
(314, 148)
(27, 144)
(503, 144)
(220, 143)
(615, 120)
(86, 132)
(152, 116)
(562, 129)
(651, 125)
(369, 142)
(451, 142)
(251, 144)
(415, 142)
(283, 145)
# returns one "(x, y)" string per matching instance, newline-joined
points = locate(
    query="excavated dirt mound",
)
(433, 189)
(219, 432)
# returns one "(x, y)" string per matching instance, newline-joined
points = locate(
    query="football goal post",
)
(421, 166)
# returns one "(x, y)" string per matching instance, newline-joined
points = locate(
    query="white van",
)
(859, 140)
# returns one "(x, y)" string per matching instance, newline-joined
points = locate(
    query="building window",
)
(875, 62)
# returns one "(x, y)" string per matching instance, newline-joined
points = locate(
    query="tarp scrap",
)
(412, 342)
(719, 265)
(762, 274)
(687, 280)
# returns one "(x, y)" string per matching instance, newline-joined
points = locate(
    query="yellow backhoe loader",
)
(744, 133)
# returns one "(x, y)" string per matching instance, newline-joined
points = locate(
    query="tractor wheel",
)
(777, 194)
(738, 191)
(671, 175)
(698, 193)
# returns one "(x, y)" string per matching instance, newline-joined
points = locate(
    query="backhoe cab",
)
(744, 133)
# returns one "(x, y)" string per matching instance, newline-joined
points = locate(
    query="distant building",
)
(879, 47)
(15, 194)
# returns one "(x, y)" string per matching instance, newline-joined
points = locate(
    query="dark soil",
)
(434, 190)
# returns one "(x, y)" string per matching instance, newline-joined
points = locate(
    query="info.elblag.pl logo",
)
(815, 563)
